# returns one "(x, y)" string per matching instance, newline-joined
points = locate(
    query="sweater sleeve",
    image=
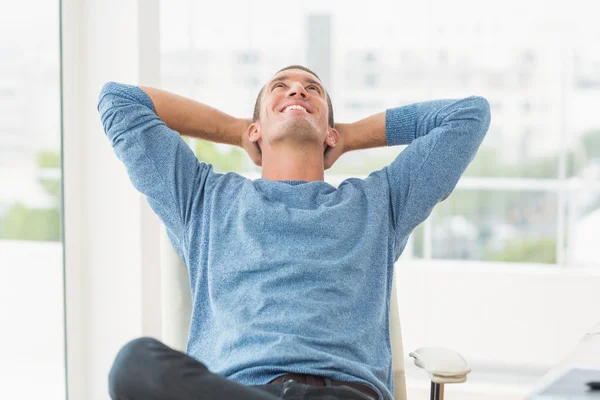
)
(443, 138)
(159, 163)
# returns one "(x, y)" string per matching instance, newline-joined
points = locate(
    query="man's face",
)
(293, 108)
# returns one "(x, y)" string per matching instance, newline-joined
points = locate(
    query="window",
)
(529, 199)
(31, 261)
(496, 225)
(514, 73)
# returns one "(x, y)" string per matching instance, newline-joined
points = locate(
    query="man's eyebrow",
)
(286, 77)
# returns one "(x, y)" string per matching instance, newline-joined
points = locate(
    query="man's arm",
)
(443, 138)
(159, 163)
(364, 134)
(195, 119)
(192, 118)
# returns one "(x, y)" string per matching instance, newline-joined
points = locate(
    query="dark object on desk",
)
(574, 384)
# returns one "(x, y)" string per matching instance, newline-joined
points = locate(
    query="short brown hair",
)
(258, 103)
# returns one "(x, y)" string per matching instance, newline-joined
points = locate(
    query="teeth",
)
(295, 107)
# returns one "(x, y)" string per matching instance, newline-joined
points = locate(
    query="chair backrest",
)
(176, 310)
(397, 348)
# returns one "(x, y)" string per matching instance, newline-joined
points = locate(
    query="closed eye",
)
(309, 87)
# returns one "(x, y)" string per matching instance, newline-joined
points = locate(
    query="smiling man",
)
(293, 131)
(290, 276)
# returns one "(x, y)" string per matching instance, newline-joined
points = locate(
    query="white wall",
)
(505, 313)
(520, 317)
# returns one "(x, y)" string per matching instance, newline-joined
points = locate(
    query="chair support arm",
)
(443, 365)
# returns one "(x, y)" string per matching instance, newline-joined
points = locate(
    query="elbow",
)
(112, 87)
(107, 107)
(115, 95)
(107, 89)
(483, 111)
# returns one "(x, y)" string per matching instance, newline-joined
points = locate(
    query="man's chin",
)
(298, 126)
(295, 129)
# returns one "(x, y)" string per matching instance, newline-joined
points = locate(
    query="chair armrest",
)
(442, 365)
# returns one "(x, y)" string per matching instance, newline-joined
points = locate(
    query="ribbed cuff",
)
(400, 125)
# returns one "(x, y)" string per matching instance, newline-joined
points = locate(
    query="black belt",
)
(315, 380)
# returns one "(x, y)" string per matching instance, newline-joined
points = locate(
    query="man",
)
(290, 277)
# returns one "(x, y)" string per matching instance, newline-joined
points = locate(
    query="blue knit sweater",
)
(294, 276)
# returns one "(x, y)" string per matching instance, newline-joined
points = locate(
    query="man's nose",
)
(297, 88)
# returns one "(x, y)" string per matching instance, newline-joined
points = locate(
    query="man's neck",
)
(294, 164)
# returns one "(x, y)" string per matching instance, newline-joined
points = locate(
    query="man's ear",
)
(253, 132)
(333, 137)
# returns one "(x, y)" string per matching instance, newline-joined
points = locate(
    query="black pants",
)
(146, 369)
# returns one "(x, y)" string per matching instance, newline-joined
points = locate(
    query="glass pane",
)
(226, 68)
(514, 62)
(583, 228)
(529, 64)
(31, 263)
(494, 225)
(515, 59)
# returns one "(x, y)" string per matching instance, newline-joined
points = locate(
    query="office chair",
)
(442, 365)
